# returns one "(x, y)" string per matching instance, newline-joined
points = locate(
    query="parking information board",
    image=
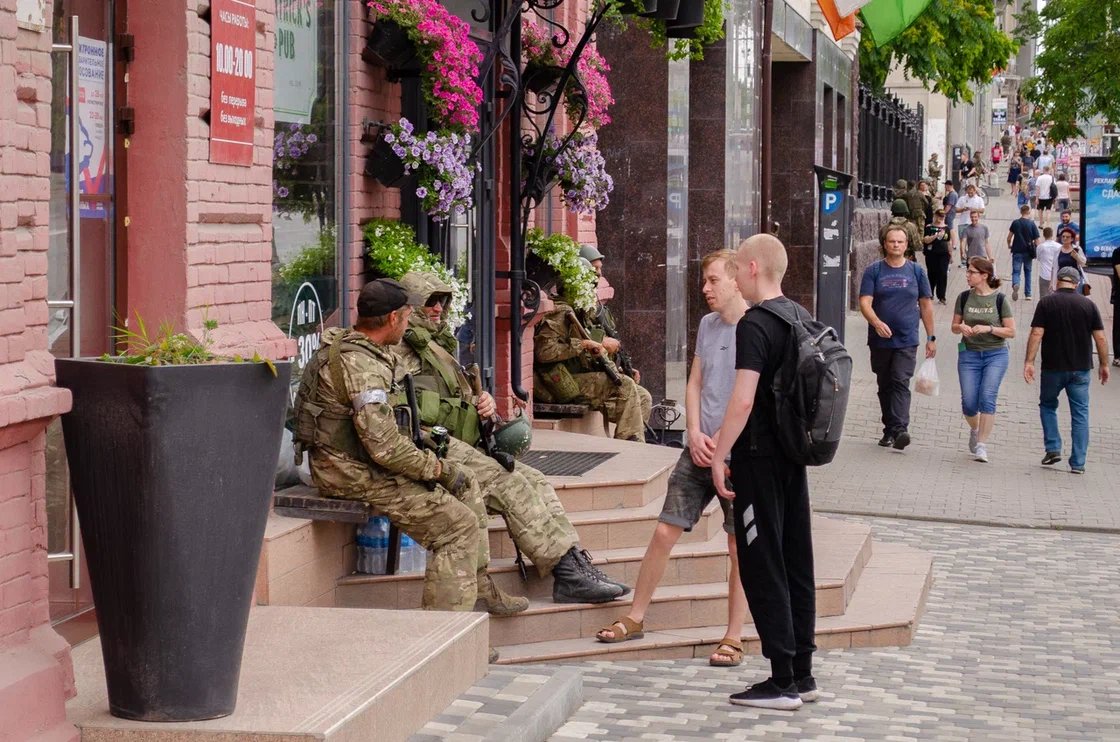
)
(834, 222)
(233, 81)
(1100, 208)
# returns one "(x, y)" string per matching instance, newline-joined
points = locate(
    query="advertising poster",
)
(233, 83)
(93, 154)
(297, 59)
(1100, 208)
(999, 113)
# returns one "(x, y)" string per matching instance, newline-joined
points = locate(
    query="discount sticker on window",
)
(233, 83)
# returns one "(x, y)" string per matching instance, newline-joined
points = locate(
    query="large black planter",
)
(383, 164)
(644, 8)
(388, 45)
(172, 471)
(690, 16)
(650, 8)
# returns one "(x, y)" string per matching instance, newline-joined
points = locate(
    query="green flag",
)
(889, 18)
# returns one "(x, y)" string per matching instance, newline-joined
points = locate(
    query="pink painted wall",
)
(35, 672)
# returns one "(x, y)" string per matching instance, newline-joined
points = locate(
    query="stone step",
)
(693, 592)
(317, 674)
(510, 704)
(884, 612)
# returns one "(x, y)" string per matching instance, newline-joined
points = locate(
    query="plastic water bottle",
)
(373, 542)
(404, 562)
(421, 562)
(381, 536)
(365, 548)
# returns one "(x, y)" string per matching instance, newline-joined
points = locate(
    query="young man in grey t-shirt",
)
(710, 381)
(974, 239)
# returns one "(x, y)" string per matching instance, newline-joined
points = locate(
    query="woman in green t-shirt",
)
(983, 318)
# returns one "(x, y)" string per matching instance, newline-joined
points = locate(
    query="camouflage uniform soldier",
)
(915, 203)
(600, 325)
(344, 418)
(536, 518)
(566, 361)
(900, 212)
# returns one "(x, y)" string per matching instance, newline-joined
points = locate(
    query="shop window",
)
(305, 279)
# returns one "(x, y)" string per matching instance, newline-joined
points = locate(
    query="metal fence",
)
(890, 144)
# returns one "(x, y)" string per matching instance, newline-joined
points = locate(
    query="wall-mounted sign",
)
(305, 326)
(93, 155)
(999, 112)
(297, 59)
(233, 81)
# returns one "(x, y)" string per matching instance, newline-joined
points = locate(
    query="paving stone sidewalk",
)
(1017, 643)
(935, 478)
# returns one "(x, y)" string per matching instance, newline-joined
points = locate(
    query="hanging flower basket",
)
(545, 62)
(666, 10)
(541, 78)
(383, 164)
(388, 45)
(637, 7)
(690, 16)
(441, 162)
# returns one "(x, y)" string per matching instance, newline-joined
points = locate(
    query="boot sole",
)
(481, 608)
(572, 599)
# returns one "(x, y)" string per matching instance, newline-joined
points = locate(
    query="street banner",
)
(1100, 208)
(999, 113)
(93, 152)
(233, 81)
(888, 18)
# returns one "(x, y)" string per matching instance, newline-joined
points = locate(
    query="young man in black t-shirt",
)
(770, 493)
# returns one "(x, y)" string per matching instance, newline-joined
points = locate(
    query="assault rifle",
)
(414, 419)
(489, 445)
(604, 364)
(606, 321)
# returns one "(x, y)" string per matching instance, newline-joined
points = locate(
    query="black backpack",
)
(811, 388)
(1053, 190)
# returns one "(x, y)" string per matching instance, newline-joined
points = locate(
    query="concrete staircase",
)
(867, 594)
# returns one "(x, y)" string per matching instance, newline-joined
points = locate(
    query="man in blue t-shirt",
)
(1067, 224)
(893, 295)
(1022, 238)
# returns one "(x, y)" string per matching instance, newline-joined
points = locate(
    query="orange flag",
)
(841, 26)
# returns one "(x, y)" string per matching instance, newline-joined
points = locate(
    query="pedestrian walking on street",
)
(974, 240)
(1067, 224)
(1062, 204)
(984, 321)
(970, 201)
(1066, 325)
(894, 294)
(770, 492)
(949, 204)
(1014, 171)
(1047, 194)
(1047, 261)
(1069, 256)
(710, 381)
(1022, 239)
(936, 250)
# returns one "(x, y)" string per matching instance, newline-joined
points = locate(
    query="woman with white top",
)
(1063, 192)
(1047, 256)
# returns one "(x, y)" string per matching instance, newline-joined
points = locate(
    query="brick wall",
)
(35, 672)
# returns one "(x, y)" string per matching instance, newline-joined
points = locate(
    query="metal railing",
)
(890, 144)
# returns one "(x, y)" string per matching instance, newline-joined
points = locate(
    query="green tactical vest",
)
(329, 422)
(441, 388)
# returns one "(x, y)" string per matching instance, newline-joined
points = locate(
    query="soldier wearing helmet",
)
(536, 518)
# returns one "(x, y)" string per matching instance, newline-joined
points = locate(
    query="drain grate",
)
(565, 463)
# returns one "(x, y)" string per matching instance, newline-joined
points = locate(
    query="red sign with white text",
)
(233, 80)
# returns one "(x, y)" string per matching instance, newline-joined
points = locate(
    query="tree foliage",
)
(952, 46)
(1075, 71)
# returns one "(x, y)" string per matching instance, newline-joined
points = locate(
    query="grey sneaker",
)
(981, 453)
(767, 695)
(1014, 293)
(973, 439)
(807, 689)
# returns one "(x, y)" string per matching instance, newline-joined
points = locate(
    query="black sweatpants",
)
(775, 544)
(893, 369)
(937, 265)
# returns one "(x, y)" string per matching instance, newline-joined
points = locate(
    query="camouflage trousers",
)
(453, 529)
(627, 405)
(536, 518)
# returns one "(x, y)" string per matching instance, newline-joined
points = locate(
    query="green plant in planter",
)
(709, 32)
(316, 259)
(170, 348)
(392, 251)
(561, 253)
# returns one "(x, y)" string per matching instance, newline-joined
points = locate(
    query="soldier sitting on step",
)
(537, 522)
(344, 418)
(570, 366)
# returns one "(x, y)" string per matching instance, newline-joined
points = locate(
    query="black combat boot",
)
(589, 566)
(573, 583)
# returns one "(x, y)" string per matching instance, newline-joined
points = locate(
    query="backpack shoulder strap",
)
(780, 313)
(961, 300)
(999, 307)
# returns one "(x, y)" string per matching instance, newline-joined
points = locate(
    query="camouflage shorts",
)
(690, 491)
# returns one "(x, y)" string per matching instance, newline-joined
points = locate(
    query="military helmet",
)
(900, 208)
(426, 286)
(590, 252)
(514, 436)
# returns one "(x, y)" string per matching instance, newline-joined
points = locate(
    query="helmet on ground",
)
(514, 436)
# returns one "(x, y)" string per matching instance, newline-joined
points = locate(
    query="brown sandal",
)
(729, 653)
(624, 629)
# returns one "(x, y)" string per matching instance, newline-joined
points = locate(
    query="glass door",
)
(80, 263)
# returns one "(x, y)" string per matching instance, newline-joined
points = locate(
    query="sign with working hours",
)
(233, 81)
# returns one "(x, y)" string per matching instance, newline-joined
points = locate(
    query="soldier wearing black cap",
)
(344, 419)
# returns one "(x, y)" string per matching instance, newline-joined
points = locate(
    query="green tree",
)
(1075, 71)
(952, 46)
